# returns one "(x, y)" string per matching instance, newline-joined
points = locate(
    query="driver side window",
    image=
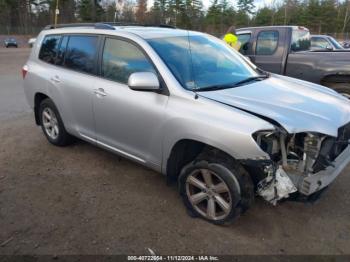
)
(244, 41)
(120, 59)
(318, 42)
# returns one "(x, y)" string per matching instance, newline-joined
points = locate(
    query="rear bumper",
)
(315, 182)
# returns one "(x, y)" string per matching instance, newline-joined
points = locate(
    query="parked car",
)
(31, 42)
(286, 50)
(346, 44)
(190, 107)
(10, 42)
(324, 42)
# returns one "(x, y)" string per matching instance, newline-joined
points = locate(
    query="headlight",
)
(267, 140)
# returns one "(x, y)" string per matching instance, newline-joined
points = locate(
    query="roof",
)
(146, 32)
(153, 32)
(272, 26)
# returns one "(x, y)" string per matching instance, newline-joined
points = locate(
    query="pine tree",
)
(263, 17)
(246, 6)
(90, 10)
(159, 11)
(85, 10)
(176, 8)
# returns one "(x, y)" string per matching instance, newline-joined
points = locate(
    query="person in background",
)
(231, 39)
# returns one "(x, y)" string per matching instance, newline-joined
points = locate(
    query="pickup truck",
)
(286, 50)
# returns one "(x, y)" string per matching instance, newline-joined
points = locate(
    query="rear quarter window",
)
(49, 48)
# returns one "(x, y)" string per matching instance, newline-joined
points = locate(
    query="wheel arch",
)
(335, 78)
(339, 83)
(38, 98)
(182, 152)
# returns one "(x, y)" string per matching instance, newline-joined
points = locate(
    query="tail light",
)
(24, 71)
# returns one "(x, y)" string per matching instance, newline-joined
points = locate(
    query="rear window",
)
(300, 40)
(49, 48)
(80, 53)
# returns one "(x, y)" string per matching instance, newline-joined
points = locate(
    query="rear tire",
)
(228, 194)
(52, 124)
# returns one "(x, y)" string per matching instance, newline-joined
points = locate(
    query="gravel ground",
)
(83, 200)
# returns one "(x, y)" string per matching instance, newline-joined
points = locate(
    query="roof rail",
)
(69, 25)
(105, 25)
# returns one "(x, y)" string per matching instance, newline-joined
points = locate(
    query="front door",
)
(270, 50)
(128, 122)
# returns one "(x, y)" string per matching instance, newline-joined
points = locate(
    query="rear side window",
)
(267, 42)
(49, 48)
(120, 59)
(80, 53)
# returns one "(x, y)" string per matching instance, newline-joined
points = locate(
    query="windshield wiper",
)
(239, 83)
(250, 79)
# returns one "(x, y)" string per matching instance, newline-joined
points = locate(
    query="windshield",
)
(335, 43)
(300, 40)
(201, 61)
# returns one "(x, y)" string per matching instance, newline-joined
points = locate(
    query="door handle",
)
(100, 92)
(55, 79)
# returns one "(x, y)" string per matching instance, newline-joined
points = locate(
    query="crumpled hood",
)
(296, 105)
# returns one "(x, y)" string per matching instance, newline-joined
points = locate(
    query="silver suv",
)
(188, 106)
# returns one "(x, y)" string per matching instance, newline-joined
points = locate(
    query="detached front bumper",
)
(315, 182)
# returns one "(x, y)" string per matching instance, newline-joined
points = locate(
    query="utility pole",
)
(57, 11)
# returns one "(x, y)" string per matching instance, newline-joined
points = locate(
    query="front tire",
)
(52, 124)
(216, 188)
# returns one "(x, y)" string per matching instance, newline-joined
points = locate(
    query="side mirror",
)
(143, 81)
(329, 48)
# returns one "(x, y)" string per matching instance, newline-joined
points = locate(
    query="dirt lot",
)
(83, 200)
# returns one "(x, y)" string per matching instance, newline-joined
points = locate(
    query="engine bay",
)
(295, 157)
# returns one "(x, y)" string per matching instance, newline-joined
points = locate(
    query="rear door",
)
(74, 78)
(269, 50)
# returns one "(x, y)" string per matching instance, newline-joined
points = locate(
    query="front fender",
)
(214, 124)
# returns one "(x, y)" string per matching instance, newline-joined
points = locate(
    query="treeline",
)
(320, 16)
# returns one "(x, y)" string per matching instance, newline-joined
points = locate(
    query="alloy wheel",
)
(208, 194)
(50, 123)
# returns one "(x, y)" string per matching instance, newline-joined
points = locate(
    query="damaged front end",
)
(305, 162)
